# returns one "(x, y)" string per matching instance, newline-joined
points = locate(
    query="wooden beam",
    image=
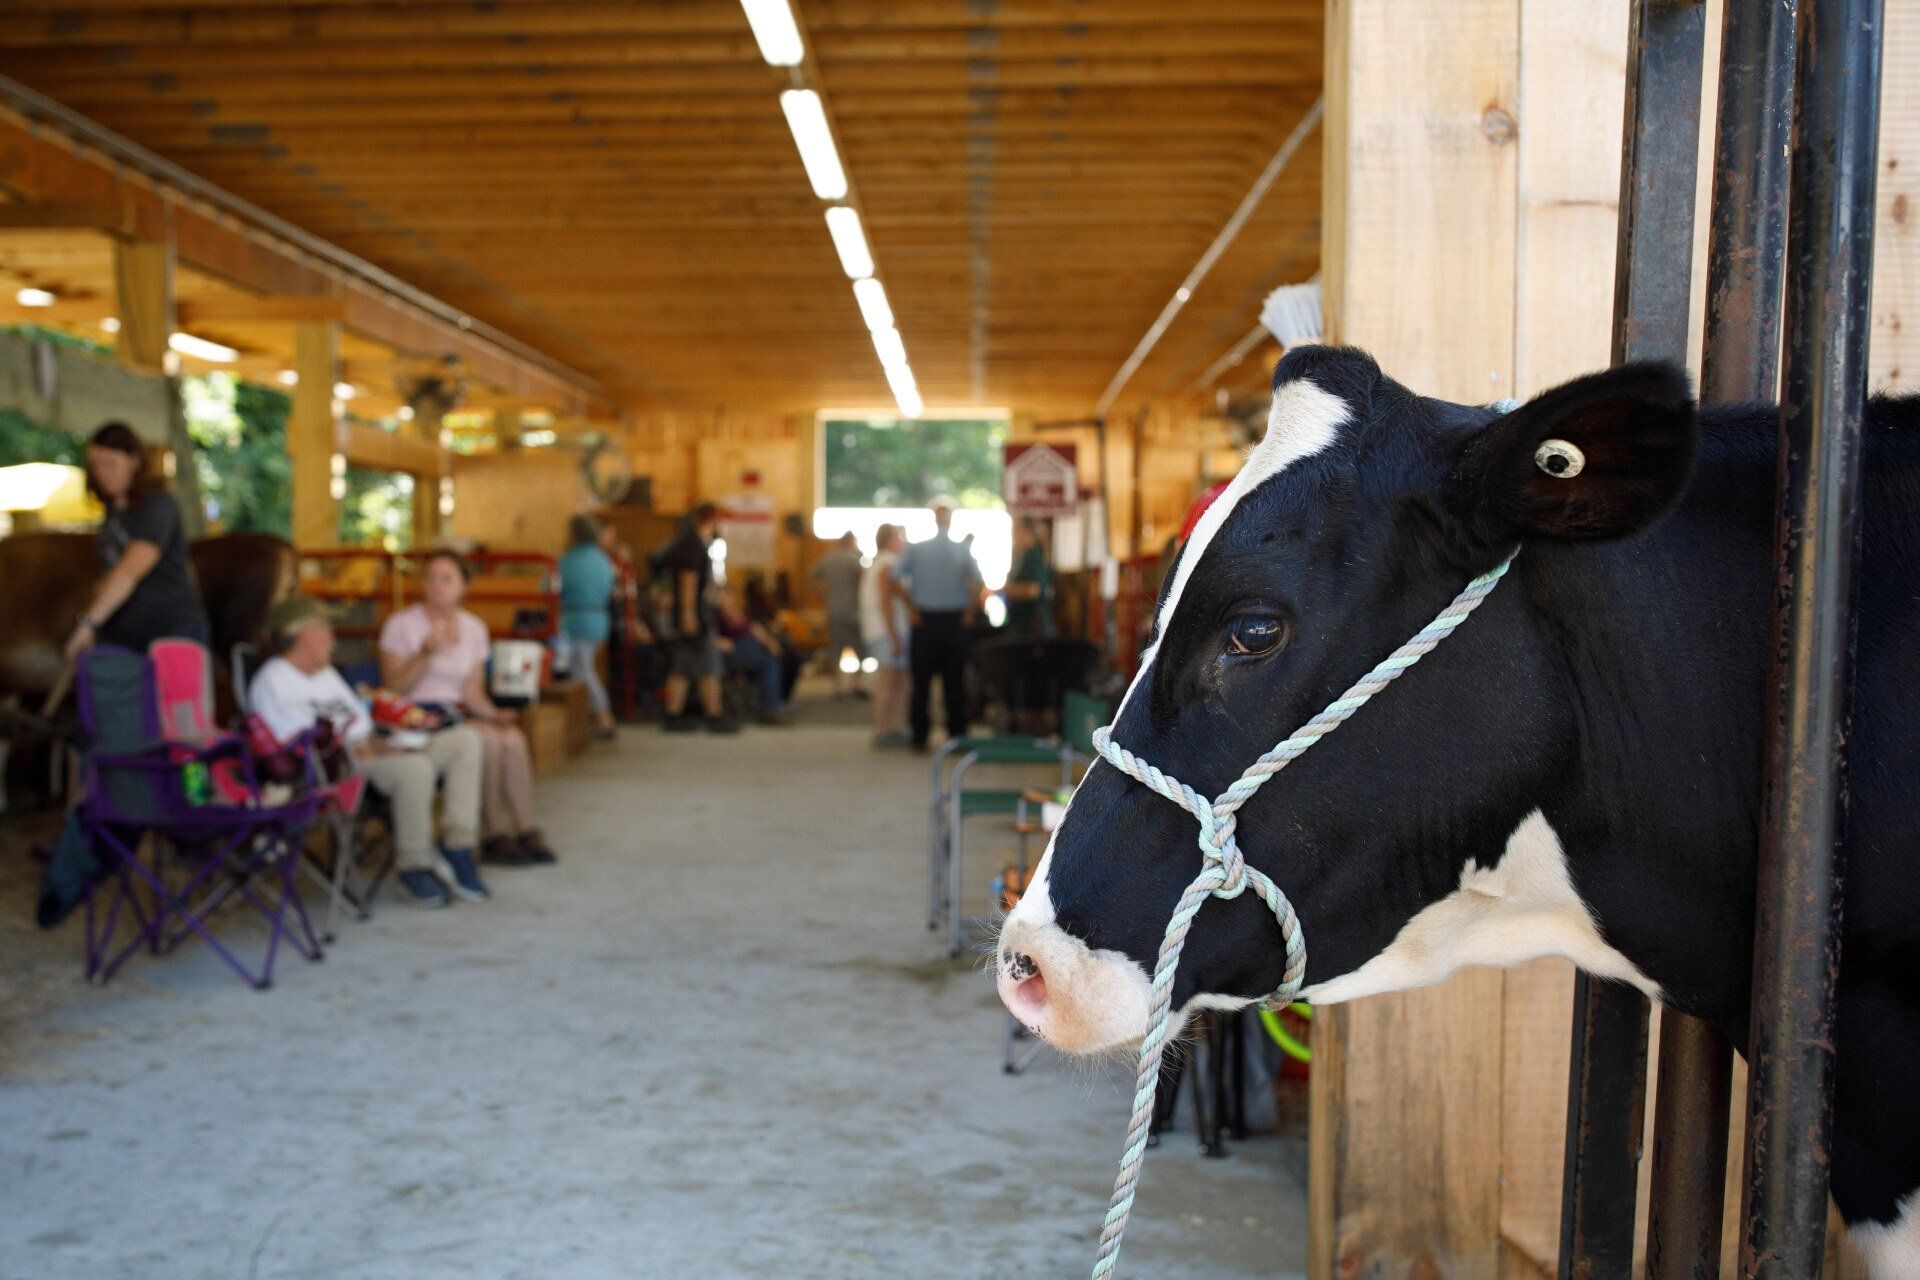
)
(35, 167)
(311, 437)
(248, 309)
(378, 450)
(143, 278)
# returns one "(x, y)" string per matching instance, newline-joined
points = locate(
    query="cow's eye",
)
(1254, 633)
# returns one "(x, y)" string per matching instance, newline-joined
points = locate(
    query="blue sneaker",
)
(425, 888)
(467, 885)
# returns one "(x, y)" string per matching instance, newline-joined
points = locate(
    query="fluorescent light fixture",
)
(874, 309)
(287, 378)
(344, 391)
(200, 349)
(35, 298)
(110, 324)
(808, 120)
(892, 350)
(905, 393)
(774, 31)
(843, 224)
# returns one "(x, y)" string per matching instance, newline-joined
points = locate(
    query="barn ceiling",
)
(613, 182)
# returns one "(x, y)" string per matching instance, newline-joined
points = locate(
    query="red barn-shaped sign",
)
(1040, 480)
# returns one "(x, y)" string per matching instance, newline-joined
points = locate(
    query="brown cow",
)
(46, 579)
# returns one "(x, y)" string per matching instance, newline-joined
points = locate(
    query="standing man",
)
(693, 657)
(838, 574)
(944, 587)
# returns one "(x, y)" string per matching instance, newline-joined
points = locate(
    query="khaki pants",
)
(407, 779)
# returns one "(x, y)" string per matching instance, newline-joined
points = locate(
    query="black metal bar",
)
(1747, 233)
(1836, 113)
(1746, 244)
(1606, 1088)
(1692, 1094)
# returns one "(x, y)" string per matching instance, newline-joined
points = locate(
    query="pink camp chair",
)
(176, 810)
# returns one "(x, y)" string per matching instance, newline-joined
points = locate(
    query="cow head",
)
(1359, 515)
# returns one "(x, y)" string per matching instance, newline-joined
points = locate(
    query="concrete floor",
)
(716, 1041)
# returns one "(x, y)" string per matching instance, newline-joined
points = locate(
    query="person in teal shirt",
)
(586, 595)
(1029, 589)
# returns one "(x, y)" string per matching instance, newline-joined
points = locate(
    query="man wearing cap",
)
(298, 687)
(943, 586)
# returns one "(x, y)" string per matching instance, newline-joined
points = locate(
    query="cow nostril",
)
(1023, 988)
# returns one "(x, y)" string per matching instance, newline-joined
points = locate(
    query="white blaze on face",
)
(1079, 999)
(1305, 418)
(1521, 908)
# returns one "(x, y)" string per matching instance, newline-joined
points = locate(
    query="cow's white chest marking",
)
(1521, 908)
(1892, 1249)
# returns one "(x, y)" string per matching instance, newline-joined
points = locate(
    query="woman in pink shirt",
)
(435, 653)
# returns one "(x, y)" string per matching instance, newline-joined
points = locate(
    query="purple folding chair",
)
(176, 810)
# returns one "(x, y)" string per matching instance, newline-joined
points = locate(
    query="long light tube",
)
(200, 349)
(807, 117)
(888, 343)
(775, 31)
(850, 241)
(31, 297)
(905, 393)
(874, 308)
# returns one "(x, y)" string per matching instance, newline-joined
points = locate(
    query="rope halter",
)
(1224, 873)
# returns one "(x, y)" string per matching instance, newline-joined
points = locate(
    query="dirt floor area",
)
(715, 1041)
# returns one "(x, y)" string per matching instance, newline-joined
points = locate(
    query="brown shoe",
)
(533, 849)
(502, 851)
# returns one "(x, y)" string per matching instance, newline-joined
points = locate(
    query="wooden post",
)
(1418, 266)
(143, 281)
(311, 443)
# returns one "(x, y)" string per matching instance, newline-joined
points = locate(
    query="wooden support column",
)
(311, 442)
(143, 281)
(1418, 266)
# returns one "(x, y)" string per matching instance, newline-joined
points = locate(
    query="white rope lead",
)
(1224, 873)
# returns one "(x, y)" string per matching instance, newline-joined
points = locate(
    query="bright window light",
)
(538, 439)
(892, 350)
(404, 413)
(200, 349)
(287, 378)
(344, 391)
(843, 224)
(774, 31)
(110, 324)
(29, 486)
(808, 120)
(34, 298)
(874, 309)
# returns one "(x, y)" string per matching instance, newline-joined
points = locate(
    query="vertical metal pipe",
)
(1836, 111)
(1606, 1088)
(1739, 362)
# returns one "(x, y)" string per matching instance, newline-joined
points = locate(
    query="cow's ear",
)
(1599, 457)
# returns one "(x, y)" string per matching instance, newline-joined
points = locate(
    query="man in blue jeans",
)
(944, 587)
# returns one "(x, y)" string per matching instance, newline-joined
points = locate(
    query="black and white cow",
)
(1575, 772)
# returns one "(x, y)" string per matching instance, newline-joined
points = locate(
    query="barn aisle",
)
(716, 1041)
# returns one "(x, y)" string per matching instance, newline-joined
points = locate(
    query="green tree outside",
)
(893, 462)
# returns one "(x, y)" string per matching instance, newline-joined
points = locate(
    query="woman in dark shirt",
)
(147, 591)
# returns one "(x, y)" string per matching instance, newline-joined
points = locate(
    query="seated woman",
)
(298, 687)
(435, 653)
(750, 649)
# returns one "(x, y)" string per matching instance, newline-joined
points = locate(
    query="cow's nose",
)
(1023, 988)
